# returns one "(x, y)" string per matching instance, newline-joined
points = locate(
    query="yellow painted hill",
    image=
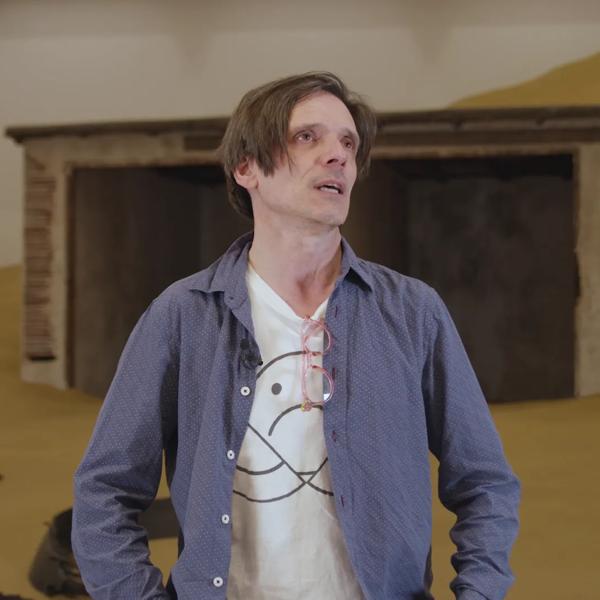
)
(573, 84)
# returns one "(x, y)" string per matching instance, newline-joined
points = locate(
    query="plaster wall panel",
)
(587, 364)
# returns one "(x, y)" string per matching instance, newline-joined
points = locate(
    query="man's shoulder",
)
(190, 290)
(200, 281)
(387, 281)
(223, 275)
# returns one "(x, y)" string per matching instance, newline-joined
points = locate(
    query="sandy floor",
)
(554, 447)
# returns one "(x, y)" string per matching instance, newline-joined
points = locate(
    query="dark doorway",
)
(133, 232)
(495, 237)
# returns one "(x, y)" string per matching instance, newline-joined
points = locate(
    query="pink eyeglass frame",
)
(309, 328)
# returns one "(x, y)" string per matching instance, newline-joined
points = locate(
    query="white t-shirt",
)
(286, 540)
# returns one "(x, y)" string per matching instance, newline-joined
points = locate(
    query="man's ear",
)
(245, 174)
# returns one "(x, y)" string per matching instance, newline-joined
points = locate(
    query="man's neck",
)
(302, 267)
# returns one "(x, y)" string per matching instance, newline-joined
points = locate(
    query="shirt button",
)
(245, 391)
(225, 519)
(230, 454)
(218, 581)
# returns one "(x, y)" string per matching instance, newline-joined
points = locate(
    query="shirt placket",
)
(335, 413)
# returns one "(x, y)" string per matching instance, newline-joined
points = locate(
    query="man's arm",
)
(475, 481)
(120, 472)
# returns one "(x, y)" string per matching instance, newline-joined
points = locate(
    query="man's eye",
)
(349, 144)
(305, 136)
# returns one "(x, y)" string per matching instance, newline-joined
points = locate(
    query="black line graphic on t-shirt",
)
(305, 477)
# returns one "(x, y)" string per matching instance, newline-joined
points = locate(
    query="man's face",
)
(313, 186)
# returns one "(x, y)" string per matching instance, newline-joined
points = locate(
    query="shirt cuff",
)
(467, 594)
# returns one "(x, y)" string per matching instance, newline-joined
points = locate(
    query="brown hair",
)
(258, 128)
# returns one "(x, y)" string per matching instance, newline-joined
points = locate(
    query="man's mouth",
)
(332, 187)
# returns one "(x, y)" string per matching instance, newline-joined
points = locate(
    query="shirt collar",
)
(228, 274)
(351, 264)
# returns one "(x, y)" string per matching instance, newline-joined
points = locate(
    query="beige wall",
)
(67, 60)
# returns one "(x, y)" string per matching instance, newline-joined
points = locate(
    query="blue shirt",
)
(404, 386)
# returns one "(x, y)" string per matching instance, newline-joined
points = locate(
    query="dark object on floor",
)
(11, 597)
(54, 570)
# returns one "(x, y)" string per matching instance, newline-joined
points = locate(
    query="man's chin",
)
(333, 218)
(331, 221)
(318, 217)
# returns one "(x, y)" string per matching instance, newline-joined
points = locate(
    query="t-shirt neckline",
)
(263, 290)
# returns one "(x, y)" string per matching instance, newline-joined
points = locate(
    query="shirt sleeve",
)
(468, 594)
(120, 472)
(474, 479)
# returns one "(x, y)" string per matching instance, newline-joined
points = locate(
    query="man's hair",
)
(258, 128)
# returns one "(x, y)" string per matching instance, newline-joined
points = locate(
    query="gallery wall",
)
(64, 61)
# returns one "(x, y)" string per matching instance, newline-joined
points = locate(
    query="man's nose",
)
(335, 153)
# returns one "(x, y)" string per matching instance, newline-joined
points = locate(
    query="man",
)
(296, 391)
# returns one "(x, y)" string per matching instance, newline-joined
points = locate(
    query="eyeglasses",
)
(317, 383)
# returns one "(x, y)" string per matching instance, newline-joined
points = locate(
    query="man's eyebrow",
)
(303, 126)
